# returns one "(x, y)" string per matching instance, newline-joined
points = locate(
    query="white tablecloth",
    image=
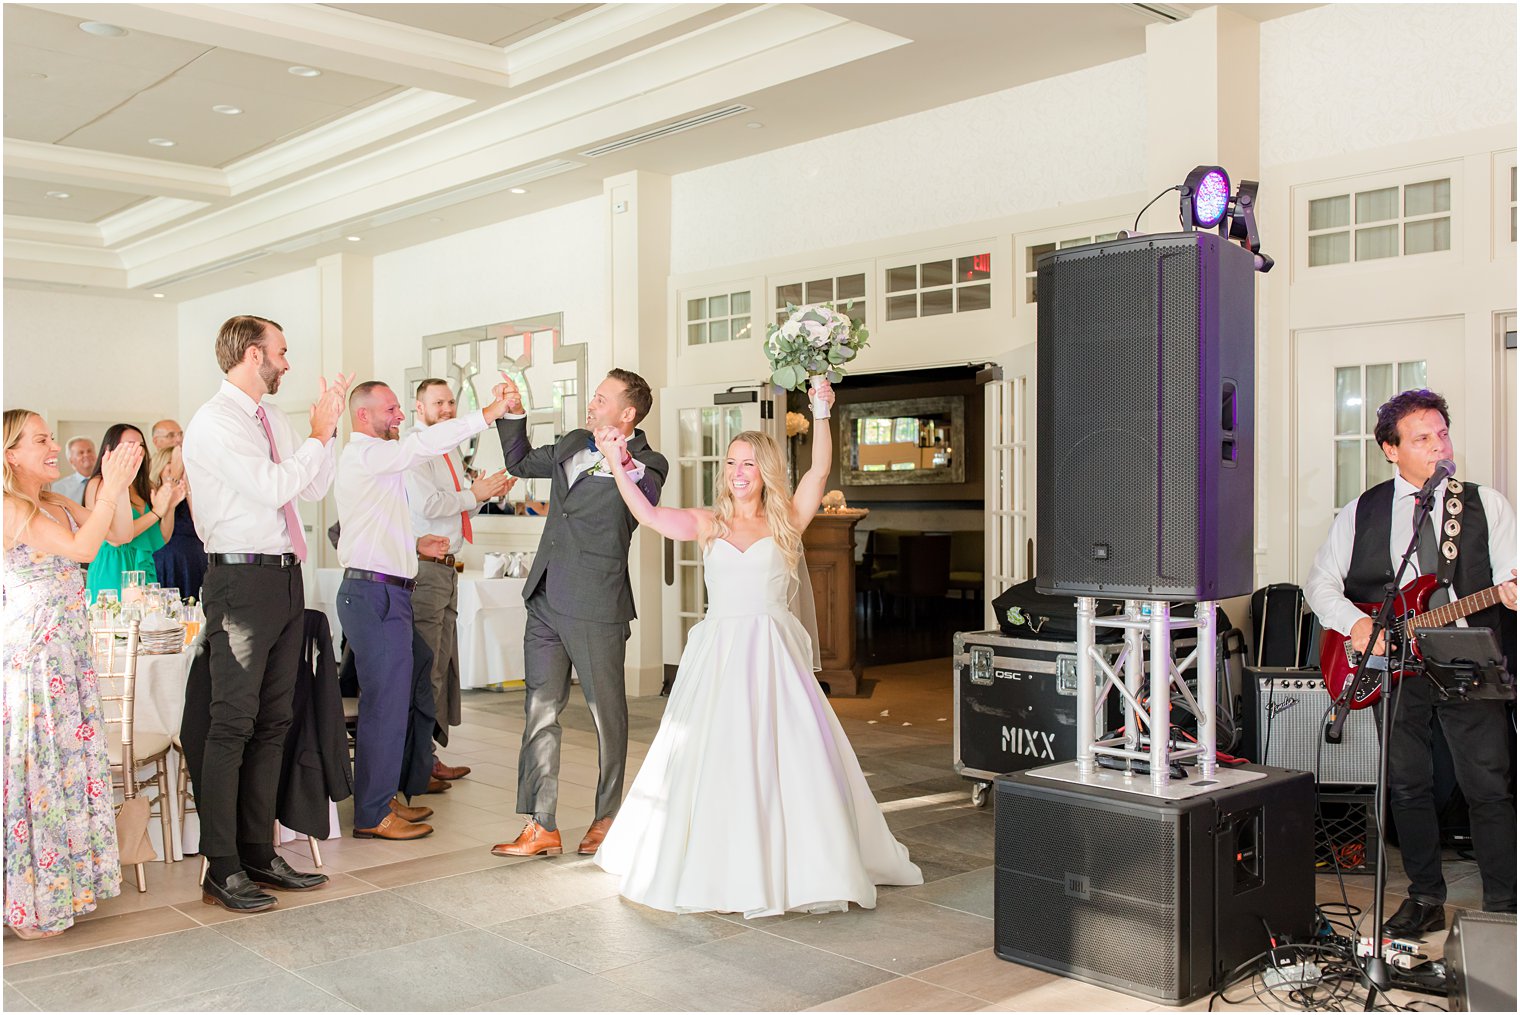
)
(492, 617)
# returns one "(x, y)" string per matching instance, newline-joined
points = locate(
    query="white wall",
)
(1062, 140)
(554, 261)
(81, 357)
(1347, 77)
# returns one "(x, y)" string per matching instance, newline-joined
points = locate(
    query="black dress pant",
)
(255, 619)
(1478, 733)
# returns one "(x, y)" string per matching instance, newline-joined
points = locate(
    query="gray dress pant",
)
(435, 615)
(552, 643)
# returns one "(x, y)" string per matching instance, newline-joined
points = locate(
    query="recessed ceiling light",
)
(161, 142)
(37, 75)
(58, 195)
(435, 218)
(353, 239)
(518, 190)
(754, 125)
(305, 72)
(102, 29)
(158, 296)
(226, 110)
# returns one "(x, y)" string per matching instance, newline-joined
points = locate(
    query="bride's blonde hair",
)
(775, 498)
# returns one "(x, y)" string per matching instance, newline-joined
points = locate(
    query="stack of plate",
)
(164, 641)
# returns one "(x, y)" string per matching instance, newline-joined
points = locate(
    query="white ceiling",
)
(424, 114)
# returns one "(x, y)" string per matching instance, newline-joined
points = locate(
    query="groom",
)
(579, 601)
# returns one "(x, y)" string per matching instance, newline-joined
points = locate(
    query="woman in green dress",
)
(152, 519)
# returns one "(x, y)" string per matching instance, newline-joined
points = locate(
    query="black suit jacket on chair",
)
(582, 558)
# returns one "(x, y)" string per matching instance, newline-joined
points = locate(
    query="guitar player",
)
(1355, 564)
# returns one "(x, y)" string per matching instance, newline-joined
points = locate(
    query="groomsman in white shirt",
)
(248, 470)
(378, 552)
(442, 500)
(82, 460)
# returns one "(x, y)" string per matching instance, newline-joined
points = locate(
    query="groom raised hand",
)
(579, 601)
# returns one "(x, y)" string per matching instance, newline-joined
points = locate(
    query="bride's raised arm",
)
(672, 523)
(810, 488)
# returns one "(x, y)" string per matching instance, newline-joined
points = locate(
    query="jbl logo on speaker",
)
(1078, 886)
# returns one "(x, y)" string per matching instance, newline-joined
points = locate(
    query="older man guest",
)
(82, 461)
(379, 555)
(167, 434)
(442, 500)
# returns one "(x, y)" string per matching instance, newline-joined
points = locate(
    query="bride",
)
(750, 799)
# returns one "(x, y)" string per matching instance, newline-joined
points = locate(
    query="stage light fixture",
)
(1205, 197)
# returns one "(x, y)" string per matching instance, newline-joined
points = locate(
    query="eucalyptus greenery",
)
(815, 340)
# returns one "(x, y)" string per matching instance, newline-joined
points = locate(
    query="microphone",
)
(1445, 469)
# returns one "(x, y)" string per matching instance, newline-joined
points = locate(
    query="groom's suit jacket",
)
(582, 558)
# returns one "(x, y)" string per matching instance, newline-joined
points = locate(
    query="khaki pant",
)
(435, 615)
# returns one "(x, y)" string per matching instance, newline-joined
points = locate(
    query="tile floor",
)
(440, 924)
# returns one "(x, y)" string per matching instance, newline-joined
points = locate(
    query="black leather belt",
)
(447, 560)
(379, 576)
(264, 559)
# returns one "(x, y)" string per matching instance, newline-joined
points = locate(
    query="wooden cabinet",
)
(830, 546)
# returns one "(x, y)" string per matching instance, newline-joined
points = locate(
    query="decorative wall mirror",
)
(550, 373)
(908, 440)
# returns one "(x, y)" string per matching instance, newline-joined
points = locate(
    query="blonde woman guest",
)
(181, 561)
(152, 518)
(60, 827)
(751, 799)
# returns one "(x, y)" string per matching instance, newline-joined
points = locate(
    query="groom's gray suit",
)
(579, 606)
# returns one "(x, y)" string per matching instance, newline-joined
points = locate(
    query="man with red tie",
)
(441, 500)
(248, 470)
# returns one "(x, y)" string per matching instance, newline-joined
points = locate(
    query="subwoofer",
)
(1155, 897)
(1285, 713)
(1146, 419)
(1480, 959)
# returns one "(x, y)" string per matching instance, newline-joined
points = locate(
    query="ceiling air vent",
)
(655, 133)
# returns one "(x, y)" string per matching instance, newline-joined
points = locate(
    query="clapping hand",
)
(329, 406)
(490, 487)
(118, 467)
(162, 499)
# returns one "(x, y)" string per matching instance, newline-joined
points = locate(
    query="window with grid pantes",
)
(951, 285)
(1366, 225)
(722, 318)
(1032, 255)
(846, 292)
(1359, 391)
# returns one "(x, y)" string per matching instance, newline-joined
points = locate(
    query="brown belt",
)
(447, 560)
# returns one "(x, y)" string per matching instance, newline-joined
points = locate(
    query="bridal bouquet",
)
(815, 341)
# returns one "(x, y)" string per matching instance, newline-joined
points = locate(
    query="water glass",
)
(133, 586)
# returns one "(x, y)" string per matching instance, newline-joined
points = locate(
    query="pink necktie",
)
(292, 521)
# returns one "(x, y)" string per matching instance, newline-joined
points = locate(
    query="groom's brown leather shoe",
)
(534, 840)
(594, 836)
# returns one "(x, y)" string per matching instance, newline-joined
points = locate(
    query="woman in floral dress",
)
(60, 826)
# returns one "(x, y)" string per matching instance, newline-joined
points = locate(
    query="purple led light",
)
(1211, 199)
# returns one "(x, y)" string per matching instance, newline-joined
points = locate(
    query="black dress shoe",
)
(238, 894)
(284, 877)
(1415, 919)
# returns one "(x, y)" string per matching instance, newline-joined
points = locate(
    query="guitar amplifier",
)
(1286, 712)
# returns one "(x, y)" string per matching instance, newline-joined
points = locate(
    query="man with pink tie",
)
(247, 471)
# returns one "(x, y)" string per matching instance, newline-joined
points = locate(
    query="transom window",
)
(951, 285)
(846, 292)
(722, 318)
(1359, 391)
(1033, 254)
(1366, 225)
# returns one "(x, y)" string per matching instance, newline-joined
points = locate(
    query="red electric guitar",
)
(1338, 660)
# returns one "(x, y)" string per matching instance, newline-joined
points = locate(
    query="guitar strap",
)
(1451, 533)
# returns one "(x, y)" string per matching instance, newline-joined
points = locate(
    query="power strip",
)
(1294, 976)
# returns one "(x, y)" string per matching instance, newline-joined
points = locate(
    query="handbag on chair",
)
(132, 840)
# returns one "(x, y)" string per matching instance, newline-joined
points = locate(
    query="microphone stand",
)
(1376, 967)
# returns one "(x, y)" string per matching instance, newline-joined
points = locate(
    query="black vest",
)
(1372, 568)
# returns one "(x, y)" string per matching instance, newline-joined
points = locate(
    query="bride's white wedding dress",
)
(750, 799)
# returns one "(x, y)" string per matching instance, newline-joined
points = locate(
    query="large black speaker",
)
(1157, 898)
(1146, 418)
(1480, 958)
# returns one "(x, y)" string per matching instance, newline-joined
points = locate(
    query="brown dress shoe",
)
(406, 813)
(594, 836)
(447, 772)
(534, 840)
(436, 786)
(394, 827)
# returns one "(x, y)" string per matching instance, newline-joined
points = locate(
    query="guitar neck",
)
(1453, 612)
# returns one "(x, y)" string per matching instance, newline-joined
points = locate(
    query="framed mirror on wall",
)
(550, 372)
(903, 441)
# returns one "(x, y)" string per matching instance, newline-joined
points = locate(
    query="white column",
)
(346, 299)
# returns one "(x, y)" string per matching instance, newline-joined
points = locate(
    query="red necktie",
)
(464, 516)
(292, 521)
